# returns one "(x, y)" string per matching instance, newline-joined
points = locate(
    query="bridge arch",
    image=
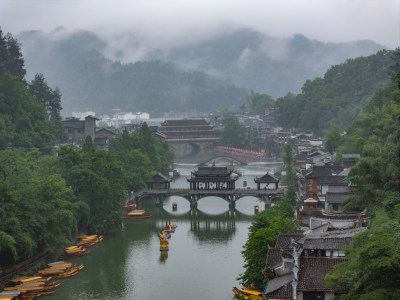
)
(216, 158)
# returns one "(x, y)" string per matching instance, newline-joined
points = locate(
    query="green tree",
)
(258, 103)
(290, 177)
(234, 134)
(98, 180)
(373, 265)
(264, 231)
(332, 139)
(11, 58)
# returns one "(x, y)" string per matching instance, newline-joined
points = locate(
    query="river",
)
(203, 262)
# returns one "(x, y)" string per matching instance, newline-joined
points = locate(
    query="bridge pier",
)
(159, 201)
(193, 204)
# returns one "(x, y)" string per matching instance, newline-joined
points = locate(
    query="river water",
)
(204, 257)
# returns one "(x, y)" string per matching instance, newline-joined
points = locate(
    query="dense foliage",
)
(45, 200)
(24, 119)
(234, 134)
(141, 155)
(264, 231)
(372, 269)
(258, 103)
(337, 98)
(37, 211)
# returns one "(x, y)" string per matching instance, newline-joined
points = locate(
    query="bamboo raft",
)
(81, 247)
(60, 270)
(29, 287)
(87, 241)
(41, 284)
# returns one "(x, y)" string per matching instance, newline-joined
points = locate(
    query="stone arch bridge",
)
(194, 196)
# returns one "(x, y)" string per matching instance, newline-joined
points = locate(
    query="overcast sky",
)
(165, 22)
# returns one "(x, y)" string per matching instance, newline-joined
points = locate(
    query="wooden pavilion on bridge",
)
(212, 178)
(267, 182)
(158, 182)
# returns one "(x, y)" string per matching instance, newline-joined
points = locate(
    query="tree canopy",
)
(337, 98)
(263, 234)
(234, 134)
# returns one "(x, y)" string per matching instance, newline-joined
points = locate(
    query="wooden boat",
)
(130, 207)
(248, 293)
(138, 214)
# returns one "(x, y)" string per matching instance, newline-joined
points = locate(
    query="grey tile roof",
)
(325, 170)
(329, 240)
(337, 197)
(267, 178)
(284, 239)
(185, 122)
(212, 171)
(160, 178)
(279, 287)
(313, 270)
(331, 179)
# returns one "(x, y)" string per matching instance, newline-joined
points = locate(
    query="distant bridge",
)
(193, 196)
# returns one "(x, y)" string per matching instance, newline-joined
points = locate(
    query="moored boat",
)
(137, 214)
(248, 293)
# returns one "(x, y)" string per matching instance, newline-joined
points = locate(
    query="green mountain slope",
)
(338, 97)
(88, 80)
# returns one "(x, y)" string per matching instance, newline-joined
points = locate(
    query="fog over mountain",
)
(86, 68)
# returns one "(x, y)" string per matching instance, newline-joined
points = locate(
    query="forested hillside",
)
(45, 200)
(24, 119)
(372, 269)
(90, 81)
(337, 98)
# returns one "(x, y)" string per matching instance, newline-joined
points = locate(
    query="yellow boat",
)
(248, 293)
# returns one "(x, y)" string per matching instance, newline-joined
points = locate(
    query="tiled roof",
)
(267, 178)
(337, 197)
(327, 244)
(284, 239)
(74, 123)
(325, 170)
(279, 288)
(313, 270)
(331, 179)
(212, 171)
(185, 122)
(158, 178)
(274, 258)
(325, 240)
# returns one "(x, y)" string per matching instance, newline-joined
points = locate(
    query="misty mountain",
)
(88, 70)
(88, 80)
(266, 64)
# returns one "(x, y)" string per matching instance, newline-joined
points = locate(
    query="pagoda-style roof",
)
(185, 122)
(212, 174)
(267, 178)
(158, 178)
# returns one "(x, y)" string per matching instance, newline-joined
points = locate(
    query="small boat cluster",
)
(247, 293)
(41, 284)
(165, 235)
(81, 247)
